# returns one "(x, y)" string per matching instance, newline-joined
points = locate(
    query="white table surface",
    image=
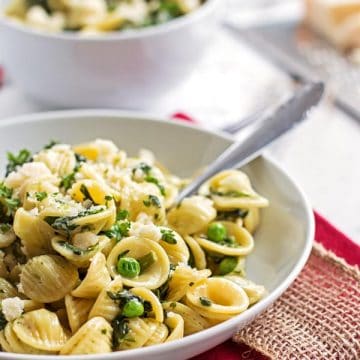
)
(322, 154)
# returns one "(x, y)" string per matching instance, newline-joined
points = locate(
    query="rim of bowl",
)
(143, 32)
(202, 335)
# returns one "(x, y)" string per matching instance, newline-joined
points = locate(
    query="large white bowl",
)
(282, 243)
(119, 69)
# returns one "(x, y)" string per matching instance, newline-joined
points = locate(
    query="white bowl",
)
(120, 69)
(282, 243)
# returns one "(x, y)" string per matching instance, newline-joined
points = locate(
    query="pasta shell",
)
(231, 189)
(193, 322)
(96, 279)
(94, 337)
(7, 289)
(11, 343)
(48, 278)
(59, 159)
(253, 291)
(155, 275)
(35, 234)
(148, 295)
(252, 220)
(176, 324)
(224, 298)
(104, 306)
(138, 335)
(244, 242)
(181, 279)
(7, 238)
(197, 252)
(30, 305)
(177, 253)
(75, 255)
(40, 329)
(192, 215)
(158, 336)
(77, 310)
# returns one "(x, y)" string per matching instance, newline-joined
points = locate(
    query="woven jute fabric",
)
(317, 318)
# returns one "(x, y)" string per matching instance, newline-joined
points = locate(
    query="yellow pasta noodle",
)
(77, 310)
(47, 278)
(40, 329)
(94, 337)
(96, 279)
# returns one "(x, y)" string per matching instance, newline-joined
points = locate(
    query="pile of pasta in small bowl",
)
(96, 257)
(96, 16)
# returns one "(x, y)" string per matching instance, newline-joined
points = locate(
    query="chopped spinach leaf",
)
(3, 321)
(122, 215)
(152, 201)
(14, 161)
(118, 231)
(41, 195)
(51, 144)
(121, 328)
(232, 215)
(168, 236)
(84, 190)
(4, 228)
(151, 179)
(204, 301)
(76, 250)
(230, 193)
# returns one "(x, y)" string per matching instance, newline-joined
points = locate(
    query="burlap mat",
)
(318, 317)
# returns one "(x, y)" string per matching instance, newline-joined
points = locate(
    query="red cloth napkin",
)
(326, 234)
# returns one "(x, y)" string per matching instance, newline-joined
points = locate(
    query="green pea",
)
(227, 265)
(133, 308)
(128, 267)
(217, 232)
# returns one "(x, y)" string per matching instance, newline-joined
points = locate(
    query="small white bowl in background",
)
(282, 242)
(128, 69)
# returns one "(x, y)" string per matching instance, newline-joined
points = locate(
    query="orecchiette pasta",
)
(96, 258)
(96, 17)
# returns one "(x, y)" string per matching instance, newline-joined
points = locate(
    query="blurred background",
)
(261, 51)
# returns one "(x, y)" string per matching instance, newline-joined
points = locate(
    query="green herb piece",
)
(76, 250)
(204, 301)
(230, 193)
(121, 328)
(122, 215)
(118, 231)
(12, 205)
(66, 224)
(152, 201)
(168, 236)
(232, 215)
(217, 232)
(84, 190)
(51, 144)
(3, 321)
(4, 228)
(41, 195)
(173, 305)
(68, 180)
(145, 168)
(153, 180)
(103, 331)
(133, 308)
(128, 267)
(146, 261)
(5, 192)
(227, 265)
(14, 161)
